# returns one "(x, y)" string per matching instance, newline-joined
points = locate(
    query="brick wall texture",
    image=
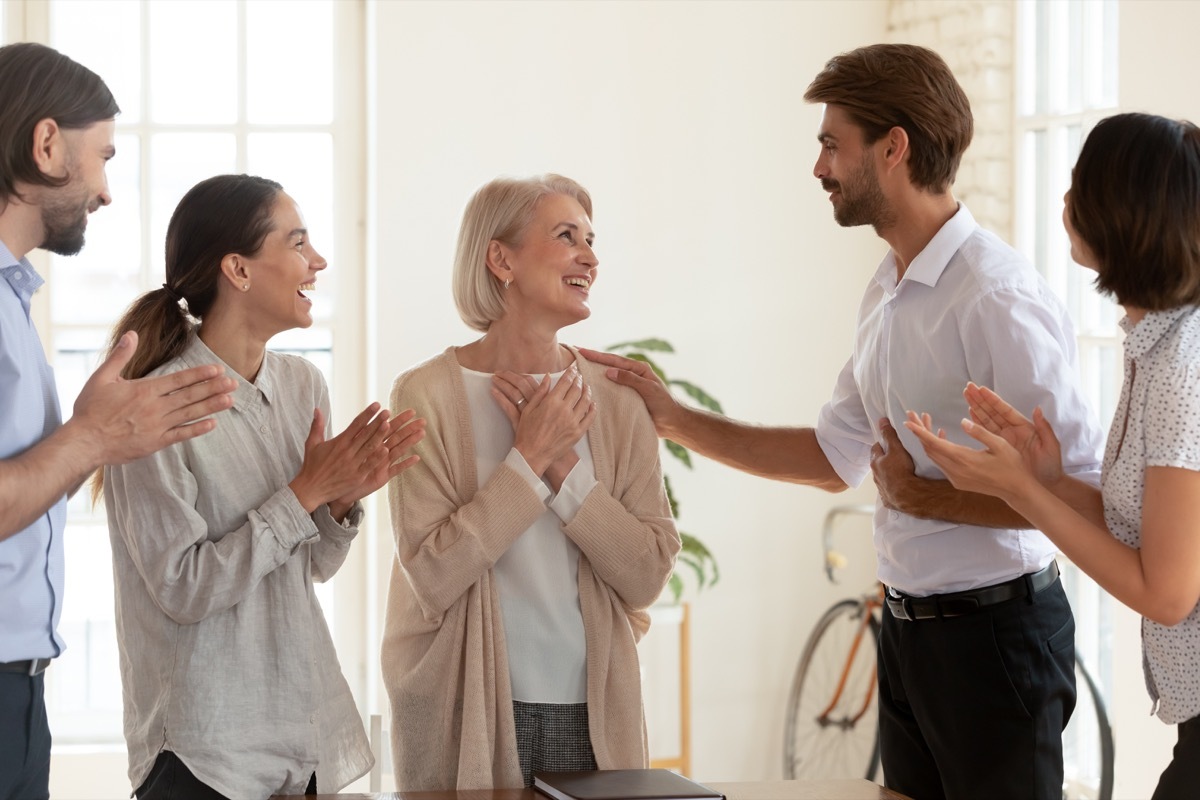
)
(976, 39)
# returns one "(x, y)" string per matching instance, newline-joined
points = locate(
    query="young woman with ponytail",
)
(232, 686)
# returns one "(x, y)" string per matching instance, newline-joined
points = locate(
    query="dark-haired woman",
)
(232, 686)
(1132, 215)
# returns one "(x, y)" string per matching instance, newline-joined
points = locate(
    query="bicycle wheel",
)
(832, 728)
(1088, 743)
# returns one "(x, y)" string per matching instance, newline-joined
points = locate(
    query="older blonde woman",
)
(534, 532)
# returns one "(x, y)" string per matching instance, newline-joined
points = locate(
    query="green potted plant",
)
(694, 557)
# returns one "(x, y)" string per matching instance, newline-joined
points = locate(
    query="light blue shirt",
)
(31, 562)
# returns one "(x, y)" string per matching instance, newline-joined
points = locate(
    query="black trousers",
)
(170, 779)
(973, 707)
(25, 737)
(1181, 779)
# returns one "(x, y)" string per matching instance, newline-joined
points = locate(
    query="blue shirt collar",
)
(20, 275)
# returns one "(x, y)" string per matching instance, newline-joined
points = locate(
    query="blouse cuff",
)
(326, 523)
(517, 462)
(287, 519)
(573, 492)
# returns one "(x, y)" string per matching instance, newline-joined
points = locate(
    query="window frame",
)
(1058, 111)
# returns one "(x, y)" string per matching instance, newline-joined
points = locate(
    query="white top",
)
(225, 656)
(1159, 412)
(969, 308)
(537, 577)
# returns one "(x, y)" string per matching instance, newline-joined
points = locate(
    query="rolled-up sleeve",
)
(844, 431)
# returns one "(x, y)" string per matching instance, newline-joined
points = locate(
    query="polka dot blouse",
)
(1157, 424)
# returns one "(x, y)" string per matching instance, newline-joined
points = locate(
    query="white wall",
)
(687, 124)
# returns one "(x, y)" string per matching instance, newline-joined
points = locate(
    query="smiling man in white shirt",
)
(976, 675)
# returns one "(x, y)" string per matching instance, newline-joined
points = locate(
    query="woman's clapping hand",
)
(358, 461)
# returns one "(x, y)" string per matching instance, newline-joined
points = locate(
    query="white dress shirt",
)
(969, 308)
(226, 659)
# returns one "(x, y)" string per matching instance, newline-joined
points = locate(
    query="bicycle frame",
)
(870, 604)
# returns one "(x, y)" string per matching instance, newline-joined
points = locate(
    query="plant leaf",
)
(679, 451)
(653, 344)
(671, 497)
(696, 567)
(699, 395)
(675, 584)
(693, 545)
(693, 550)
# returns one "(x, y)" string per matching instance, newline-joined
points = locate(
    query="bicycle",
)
(832, 726)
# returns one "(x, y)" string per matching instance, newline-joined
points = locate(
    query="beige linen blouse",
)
(225, 656)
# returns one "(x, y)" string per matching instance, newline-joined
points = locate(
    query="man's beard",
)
(862, 202)
(64, 221)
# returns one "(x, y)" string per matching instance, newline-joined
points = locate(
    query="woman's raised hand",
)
(404, 432)
(547, 421)
(998, 469)
(1033, 439)
(335, 470)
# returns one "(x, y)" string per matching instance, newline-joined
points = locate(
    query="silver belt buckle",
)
(37, 666)
(901, 608)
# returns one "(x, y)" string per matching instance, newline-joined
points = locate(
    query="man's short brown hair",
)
(884, 86)
(1135, 202)
(37, 83)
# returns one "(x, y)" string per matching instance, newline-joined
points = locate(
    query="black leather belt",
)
(957, 604)
(34, 667)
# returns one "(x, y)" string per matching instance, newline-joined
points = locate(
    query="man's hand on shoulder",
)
(666, 411)
(118, 420)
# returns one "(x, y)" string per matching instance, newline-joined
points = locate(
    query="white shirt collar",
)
(931, 262)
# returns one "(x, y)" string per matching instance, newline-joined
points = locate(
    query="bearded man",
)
(976, 672)
(56, 136)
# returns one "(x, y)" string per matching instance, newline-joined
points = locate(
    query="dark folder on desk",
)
(621, 784)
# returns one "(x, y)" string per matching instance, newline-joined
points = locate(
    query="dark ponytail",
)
(162, 327)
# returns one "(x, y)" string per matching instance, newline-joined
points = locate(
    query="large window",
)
(1067, 82)
(205, 87)
(1067, 65)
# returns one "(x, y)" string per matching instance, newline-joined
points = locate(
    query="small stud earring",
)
(245, 287)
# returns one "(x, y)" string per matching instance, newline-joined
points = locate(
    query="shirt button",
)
(895, 515)
(263, 429)
(312, 719)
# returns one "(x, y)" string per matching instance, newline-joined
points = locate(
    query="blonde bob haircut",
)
(500, 210)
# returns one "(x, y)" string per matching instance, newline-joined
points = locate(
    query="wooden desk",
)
(853, 789)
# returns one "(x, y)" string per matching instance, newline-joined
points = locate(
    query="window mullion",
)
(146, 141)
(241, 126)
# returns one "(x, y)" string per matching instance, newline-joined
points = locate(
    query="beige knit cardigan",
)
(444, 660)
